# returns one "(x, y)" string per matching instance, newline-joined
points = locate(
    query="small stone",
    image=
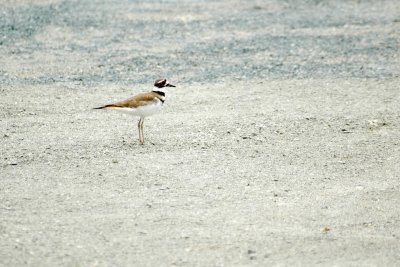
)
(345, 131)
(325, 229)
(376, 123)
(114, 161)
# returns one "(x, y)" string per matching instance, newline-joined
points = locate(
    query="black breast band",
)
(160, 93)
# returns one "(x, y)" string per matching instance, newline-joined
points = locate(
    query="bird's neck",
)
(161, 90)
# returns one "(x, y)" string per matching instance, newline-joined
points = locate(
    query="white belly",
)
(142, 111)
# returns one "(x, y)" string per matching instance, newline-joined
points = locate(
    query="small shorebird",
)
(143, 105)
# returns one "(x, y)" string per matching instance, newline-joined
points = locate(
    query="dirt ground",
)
(279, 146)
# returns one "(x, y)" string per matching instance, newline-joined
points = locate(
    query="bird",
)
(142, 105)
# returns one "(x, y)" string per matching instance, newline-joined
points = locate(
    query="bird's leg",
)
(140, 132)
(141, 126)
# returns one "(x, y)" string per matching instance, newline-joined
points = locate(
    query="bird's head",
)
(161, 83)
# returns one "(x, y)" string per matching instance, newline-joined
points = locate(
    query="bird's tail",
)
(106, 106)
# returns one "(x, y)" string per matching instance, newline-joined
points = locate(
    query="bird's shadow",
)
(134, 144)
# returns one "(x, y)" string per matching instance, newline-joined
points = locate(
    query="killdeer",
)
(142, 105)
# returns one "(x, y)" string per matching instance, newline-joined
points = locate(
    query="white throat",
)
(155, 88)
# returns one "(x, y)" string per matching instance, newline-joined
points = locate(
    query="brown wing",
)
(134, 102)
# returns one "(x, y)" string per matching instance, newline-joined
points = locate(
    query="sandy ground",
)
(280, 145)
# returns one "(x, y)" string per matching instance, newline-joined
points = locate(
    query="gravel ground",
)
(280, 145)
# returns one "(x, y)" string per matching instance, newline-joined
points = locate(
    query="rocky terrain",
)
(280, 144)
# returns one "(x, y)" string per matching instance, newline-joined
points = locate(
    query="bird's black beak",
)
(170, 85)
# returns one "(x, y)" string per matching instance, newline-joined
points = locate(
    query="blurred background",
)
(90, 42)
